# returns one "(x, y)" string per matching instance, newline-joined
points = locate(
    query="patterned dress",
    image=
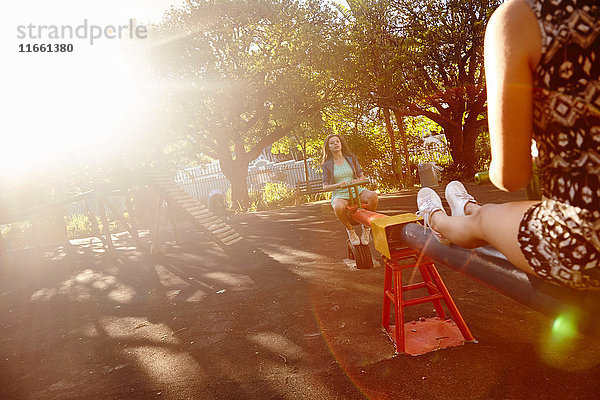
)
(343, 173)
(560, 237)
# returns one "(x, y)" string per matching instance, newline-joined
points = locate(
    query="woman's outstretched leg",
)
(494, 224)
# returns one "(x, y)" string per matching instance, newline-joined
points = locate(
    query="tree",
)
(446, 42)
(245, 73)
(377, 70)
(424, 58)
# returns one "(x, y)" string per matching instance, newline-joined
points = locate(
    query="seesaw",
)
(360, 253)
(404, 243)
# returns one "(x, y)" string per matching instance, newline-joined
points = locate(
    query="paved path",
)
(285, 318)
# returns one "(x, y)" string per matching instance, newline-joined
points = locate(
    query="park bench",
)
(310, 187)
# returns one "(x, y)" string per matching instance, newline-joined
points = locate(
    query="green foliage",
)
(422, 57)
(420, 126)
(441, 159)
(50, 230)
(254, 71)
(277, 194)
(483, 151)
(274, 195)
(454, 171)
(249, 73)
(78, 225)
(18, 233)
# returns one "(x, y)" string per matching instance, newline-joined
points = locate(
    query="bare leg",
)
(494, 224)
(369, 197)
(471, 208)
(339, 208)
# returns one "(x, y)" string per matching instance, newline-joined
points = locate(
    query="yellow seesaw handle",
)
(482, 177)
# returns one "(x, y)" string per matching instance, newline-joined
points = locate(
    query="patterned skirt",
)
(562, 244)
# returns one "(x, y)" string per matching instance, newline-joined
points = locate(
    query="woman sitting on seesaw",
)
(542, 65)
(340, 167)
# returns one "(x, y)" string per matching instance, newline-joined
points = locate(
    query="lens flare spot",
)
(565, 348)
(564, 327)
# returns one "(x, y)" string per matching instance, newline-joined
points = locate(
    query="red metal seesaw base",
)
(427, 334)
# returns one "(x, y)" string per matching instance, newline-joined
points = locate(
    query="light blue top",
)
(343, 173)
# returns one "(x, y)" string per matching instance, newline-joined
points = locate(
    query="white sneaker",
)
(365, 237)
(353, 237)
(457, 198)
(428, 201)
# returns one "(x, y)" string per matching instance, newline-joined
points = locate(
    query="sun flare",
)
(87, 102)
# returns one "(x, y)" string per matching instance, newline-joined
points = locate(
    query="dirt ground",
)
(282, 317)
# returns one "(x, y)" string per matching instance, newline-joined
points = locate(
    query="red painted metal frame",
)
(393, 294)
(363, 216)
(357, 211)
(393, 289)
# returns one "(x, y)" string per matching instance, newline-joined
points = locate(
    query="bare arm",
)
(512, 50)
(340, 184)
(333, 186)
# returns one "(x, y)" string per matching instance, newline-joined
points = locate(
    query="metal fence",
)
(200, 181)
(289, 172)
(197, 183)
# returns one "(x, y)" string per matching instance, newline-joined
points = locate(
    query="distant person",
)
(542, 61)
(340, 167)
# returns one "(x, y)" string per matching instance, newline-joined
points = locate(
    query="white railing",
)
(288, 172)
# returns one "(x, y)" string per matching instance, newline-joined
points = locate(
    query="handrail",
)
(354, 185)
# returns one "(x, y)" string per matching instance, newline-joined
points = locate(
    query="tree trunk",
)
(454, 137)
(239, 189)
(306, 175)
(470, 134)
(400, 123)
(462, 147)
(236, 172)
(390, 130)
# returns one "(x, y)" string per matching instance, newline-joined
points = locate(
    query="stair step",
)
(196, 210)
(224, 237)
(178, 195)
(235, 240)
(199, 213)
(163, 184)
(204, 220)
(183, 203)
(215, 227)
(221, 230)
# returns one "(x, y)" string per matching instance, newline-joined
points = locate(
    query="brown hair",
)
(327, 151)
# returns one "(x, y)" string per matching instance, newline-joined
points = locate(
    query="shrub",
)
(277, 194)
(78, 225)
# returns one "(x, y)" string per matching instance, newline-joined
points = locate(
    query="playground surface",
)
(282, 317)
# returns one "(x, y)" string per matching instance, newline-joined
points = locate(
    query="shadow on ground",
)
(281, 316)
